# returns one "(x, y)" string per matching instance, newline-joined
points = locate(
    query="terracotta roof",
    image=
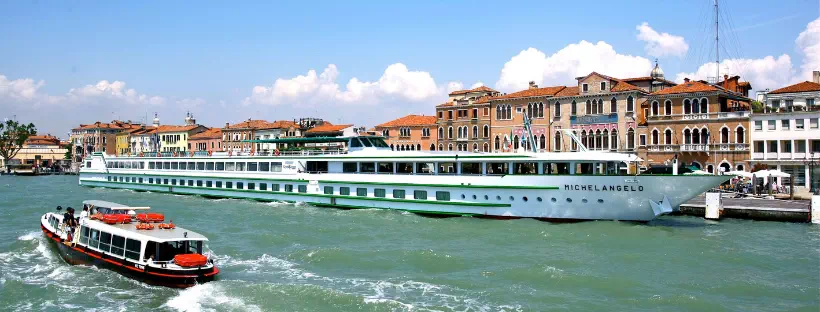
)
(116, 124)
(280, 124)
(410, 120)
(483, 99)
(687, 87)
(547, 91)
(745, 84)
(42, 140)
(170, 128)
(213, 133)
(327, 127)
(569, 91)
(646, 79)
(805, 86)
(479, 89)
(446, 104)
(619, 86)
(248, 124)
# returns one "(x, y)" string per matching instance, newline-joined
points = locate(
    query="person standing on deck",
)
(70, 223)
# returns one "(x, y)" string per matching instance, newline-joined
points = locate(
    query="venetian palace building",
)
(464, 121)
(410, 133)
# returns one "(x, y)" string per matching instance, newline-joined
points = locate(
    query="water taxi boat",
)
(366, 173)
(133, 244)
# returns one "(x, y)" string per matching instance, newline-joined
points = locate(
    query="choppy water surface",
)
(281, 257)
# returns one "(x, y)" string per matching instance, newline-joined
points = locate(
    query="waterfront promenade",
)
(754, 209)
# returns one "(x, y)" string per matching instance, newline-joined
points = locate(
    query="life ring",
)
(175, 154)
(210, 153)
(145, 226)
(141, 155)
(251, 153)
(276, 152)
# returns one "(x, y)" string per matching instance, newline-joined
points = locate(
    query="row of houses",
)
(42, 152)
(708, 125)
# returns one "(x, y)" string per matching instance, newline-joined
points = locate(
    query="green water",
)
(281, 257)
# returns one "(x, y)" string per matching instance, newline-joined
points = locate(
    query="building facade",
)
(507, 118)
(174, 139)
(41, 151)
(207, 141)
(463, 122)
(410, 133)
(235, 137)
(275, 130)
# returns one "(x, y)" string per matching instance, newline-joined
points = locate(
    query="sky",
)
(63, 63)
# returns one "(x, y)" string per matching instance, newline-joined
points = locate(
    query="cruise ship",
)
(365, 173)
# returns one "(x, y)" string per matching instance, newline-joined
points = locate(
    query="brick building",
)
(464, 120)
(410, 133)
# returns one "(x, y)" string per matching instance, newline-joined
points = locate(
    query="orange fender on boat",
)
(190, 260)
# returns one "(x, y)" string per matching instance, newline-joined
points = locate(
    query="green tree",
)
(12, 136)
(757, 107)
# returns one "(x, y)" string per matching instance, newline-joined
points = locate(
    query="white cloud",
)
(661, 44)
(564, 66)
(809, 44)
(19, 89)
(454, 86)
(112, 91)
(476, 85)
(27, 92)
(397, 82)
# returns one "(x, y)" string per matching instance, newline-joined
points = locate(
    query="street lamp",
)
(813, 161)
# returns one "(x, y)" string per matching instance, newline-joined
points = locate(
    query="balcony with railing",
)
(724, 147)
(700, 116)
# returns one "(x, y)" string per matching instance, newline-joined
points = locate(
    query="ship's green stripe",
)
(412, 201)
(319, 157)
(523, 187)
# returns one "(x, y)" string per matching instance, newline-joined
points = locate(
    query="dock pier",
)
(753, 209)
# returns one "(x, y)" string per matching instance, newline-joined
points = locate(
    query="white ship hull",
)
(552, 197)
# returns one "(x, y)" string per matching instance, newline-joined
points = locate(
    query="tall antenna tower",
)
(717, 47)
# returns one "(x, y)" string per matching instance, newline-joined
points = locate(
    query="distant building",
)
(97, 137)
(275, 130)
(236, 137)
(410, 133)
(463, 122)
(207, 141)
(41, 151)
(327, 129)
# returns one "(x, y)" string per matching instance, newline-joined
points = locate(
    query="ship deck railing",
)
(262, 153)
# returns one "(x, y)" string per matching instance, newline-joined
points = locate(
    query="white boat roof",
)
(157, 235)
(104, 204)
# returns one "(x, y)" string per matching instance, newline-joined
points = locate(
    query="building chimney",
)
(227, 124)
(815, 75)
(685, 79)
(726, 81)
(533, 85)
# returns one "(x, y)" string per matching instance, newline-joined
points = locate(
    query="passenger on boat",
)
(84, 214)
(70, 223)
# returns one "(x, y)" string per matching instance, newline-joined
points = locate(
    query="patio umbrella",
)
(740, 173)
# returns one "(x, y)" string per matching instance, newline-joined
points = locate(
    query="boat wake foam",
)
(207, 297)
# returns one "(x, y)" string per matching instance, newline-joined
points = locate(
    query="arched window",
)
(497, 145)
(704, 105)
(589, 108)
(600, 106)
(402, 148)
(541, 110)
(486, 147)
(667, 107)
(486, 131)
(695, 106)
(498, 112)
(432, 147)
(440, 133)
(509, 112)
(740, 168)
(630, 139)
(574, 108)
(450, 132)
(516, 142)
(584, 138)
(440, 147)
(740, 135)
(724, 135)
(687, 136)
(450, 147)
(613, 105)
(418, 147)
(557, 142)
(667, 137)
(696, 136)
(726, 167)
(655, 108)
(391, 147)
(557, 109)
(655, 137)
(529, 110)
(412, 148)
(687, 107)
(475, 131)
(630, 104)
(613, 140)
(605, 140)
(543, 142)
(598, 139)
(704, 136)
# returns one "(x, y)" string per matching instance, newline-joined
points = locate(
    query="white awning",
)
(739, 173)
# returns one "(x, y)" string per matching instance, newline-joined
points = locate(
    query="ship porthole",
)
(474, 197)
(584, 200)
(512, 198)
(486, 197)
(524, 198)
(498, 197)
(553, 200)
(463, 197)
(600, 201)
(539, 199)
(569, 200)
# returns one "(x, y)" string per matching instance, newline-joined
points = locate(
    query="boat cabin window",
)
(366, 142)
(498, 168)
(240, 166)
(174, 166)
(220, 166)
(253, 166)
(404, 168)
(151, 165)
(556, 168)
(368, 167)
(199, 166)
(385, 167)
(132, 249)
(425, 168)
(525, 168)
(584, 168)
(166, 251)
(316, 166)
(354, 142)
(94, 239)
(263, 166)
(350, 167)
(105, 242)
(446, 168)
(117, 245)
(183, 166)
(230, 166)
(276, 167)
(84, 232)
(473, 168)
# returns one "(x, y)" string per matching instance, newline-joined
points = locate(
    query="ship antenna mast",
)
(717, 47)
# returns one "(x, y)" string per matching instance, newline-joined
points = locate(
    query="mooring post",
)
(791, 188)
(713, 206)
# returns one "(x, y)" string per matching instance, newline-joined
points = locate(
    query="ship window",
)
(94, 239)
(600, 201)
(288, 187)
(329, 190)
(140, 180)
(199, 166)
(404, 168)
(132, 249)
(253, 166)
(165, 181)
(251, 186)
(525, 168)
(105, 242)
(182, 166)
(497, 168)
(219, 184)
(424, 168)
(220, 166)
(368, 167)
(385, 167)
(83, 233)
(512, 198)
(471, 168)
(151, 165)
(240, 166)
(539, 199)
(498, 197)
(361, 191)
(379, 192)
(443, 195)
(349, 167)
(584, 200)
(418, 194)
(446, 168)
(569, 200)
(209, 183)
(553, 200)
(354, 142)
(230, 166)
(264, 166)
(240, 185)
(229, 185)
(173, 181)
(166, 165)
(398, 194)
(190, 182)
(209, 166)
(525, 198)
(274, 187)
(344, 190)
(366, 142)
(121, 179)
(276, 167)
(151, 180)
(486, 197)
(263, 186)
(127, 179)
(302, 188)
(174, 166)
